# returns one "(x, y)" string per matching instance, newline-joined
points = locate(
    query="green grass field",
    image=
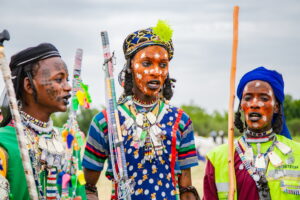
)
(104, 185)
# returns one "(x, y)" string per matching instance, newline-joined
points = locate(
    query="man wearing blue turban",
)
(276, 81)
(266, 160)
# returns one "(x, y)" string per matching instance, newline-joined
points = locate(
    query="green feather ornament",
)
(163, 31)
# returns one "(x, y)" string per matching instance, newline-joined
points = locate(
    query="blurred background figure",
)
(213, 134)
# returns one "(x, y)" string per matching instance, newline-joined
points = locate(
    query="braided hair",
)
(19, 74)
(276, 124)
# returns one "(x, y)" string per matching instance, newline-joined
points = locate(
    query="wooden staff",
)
(17, 119)
(232, 184)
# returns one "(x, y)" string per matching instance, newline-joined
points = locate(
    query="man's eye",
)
(58, 80)
(247, 98)
(163, 65)
(264, 98)
(146, 63)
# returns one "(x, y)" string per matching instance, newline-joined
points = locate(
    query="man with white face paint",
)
(158, 137)
(266, 161)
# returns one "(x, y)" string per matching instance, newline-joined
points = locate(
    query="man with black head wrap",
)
(40, 79)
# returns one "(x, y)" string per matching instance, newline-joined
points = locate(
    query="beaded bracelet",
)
(191, 189)
(91, 187)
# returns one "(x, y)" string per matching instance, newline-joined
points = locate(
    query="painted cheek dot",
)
(166, 55)
(136, 65)
(139, 76)
(151, 70)
(264, 118)
(143, 55)
(146, 71)
(261, 104)
(157, 55)
(257, 84)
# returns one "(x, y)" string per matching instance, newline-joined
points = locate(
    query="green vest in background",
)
(283, 181)
(15, 170)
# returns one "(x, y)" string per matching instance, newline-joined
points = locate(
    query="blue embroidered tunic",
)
(153, 179)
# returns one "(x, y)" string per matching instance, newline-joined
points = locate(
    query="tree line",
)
(203, 122)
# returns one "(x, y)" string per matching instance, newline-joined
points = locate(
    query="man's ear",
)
(28, 86)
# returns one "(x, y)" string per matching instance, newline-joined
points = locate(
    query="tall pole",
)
(17, 119)
(232, 188)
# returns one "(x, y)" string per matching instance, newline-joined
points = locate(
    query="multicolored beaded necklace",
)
(46, 153)
(146, 129)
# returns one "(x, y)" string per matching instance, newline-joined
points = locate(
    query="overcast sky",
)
(269, 35)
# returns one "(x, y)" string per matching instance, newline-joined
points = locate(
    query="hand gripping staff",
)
(118, 161)
(72, 174)
(232, 184)
(17, 119)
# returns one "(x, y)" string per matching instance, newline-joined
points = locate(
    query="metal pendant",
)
(128, 123)
(44, 155)
(256, 177)
(155, 130)
(275, 159)
(151, 117)
(260, 162)
(139, 119)
(42, 143)
(138, 133)
(249, 154)
(58, 146)
(50, 147)
(283, 147)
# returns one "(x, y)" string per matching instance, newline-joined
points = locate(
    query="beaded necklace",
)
(256, 166)
(46, 153)
(144, 104)
(146, 129)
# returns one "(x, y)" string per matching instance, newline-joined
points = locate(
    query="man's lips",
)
(254, 116)
(153, 84)
(66, 99)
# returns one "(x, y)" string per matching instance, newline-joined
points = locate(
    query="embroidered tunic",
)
(153, 179)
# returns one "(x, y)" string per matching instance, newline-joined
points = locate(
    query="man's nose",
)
(254, 103)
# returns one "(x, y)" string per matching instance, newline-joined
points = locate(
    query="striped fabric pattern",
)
(153, 179)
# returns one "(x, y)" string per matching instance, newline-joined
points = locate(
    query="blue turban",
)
(275, 80)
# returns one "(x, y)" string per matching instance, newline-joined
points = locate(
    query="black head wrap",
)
(21, 65)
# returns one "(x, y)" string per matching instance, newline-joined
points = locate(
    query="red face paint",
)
(259, 105)
(150, 69)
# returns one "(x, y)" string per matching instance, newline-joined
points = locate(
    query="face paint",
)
(52, 85)
(258, 105)
(151, 72)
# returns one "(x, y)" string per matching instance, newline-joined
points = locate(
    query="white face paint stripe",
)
(151, 70)
(156, 55)
(143, 55)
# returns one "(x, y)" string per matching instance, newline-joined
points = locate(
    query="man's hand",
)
(185, 180)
